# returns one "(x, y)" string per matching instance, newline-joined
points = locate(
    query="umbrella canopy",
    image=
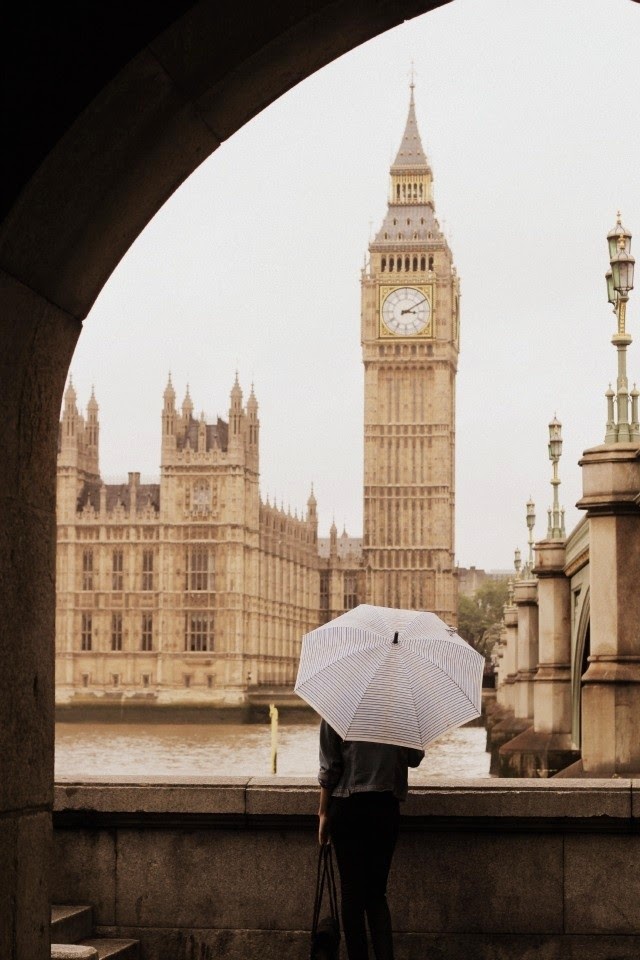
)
(390, 676)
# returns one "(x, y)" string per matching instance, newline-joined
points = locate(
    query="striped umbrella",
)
(390, 676)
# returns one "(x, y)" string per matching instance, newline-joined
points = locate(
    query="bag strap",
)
(331, 884)
(324, 874)
(317, 903)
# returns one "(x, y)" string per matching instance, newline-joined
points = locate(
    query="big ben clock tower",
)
(410, 343)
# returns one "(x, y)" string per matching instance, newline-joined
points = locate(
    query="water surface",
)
(111, 749)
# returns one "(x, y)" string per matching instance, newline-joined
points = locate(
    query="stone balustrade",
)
(205, 868)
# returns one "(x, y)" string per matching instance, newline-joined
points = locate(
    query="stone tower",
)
(410, 342)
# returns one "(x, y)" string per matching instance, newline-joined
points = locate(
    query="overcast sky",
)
(530, 115)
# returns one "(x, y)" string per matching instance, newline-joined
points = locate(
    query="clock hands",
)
(413, 308)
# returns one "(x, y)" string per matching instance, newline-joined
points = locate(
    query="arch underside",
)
(110, 108)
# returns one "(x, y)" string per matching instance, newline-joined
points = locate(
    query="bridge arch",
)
(581, 648)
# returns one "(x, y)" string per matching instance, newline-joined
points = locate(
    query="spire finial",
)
(412, 82)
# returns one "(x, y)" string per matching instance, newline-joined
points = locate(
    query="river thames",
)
(111, 749)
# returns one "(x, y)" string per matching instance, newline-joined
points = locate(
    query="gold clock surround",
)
(427, 289)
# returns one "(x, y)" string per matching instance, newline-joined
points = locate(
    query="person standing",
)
(361, 787)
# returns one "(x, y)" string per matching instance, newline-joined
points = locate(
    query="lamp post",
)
(555, 528)
(531, 519)
(619, 282)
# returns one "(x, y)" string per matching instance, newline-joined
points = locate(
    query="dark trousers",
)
(364, 830)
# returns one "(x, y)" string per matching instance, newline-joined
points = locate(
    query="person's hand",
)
(323, 829)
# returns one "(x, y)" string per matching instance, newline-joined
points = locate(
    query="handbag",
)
(325, 932)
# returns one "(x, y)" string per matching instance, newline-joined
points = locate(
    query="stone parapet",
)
(484, 868)
(610, 479)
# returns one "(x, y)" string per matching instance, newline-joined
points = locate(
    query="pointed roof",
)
(411, 152)
(169, 392)
(70, 396)
(236, 390)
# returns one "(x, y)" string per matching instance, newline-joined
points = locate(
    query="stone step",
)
(70, 923)
(112, 949)
(72, 951)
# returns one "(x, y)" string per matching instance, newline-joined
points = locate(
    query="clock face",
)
(406, 312)
(201, 495)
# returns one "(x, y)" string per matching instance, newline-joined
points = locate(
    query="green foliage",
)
(480, 615)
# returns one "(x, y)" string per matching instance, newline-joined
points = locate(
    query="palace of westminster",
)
(194, 590)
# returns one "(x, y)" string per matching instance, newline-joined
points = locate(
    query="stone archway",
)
(580, 655)
(111, 109)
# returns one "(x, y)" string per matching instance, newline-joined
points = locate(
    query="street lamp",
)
(619, 283)
(531, 519)
(555, 529)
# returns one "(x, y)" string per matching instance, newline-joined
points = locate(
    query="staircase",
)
(71, 938)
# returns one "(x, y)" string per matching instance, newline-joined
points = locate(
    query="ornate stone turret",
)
(333, 540)
(187, 406)
(202, 433)
(78, 453)
(312, 508)
(253, 430)
(169, 420)
(70, 417)
(236, 417)
(93, 427)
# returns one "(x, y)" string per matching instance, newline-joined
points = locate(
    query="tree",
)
(480, 615)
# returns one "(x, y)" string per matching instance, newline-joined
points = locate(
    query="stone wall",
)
(204, 868)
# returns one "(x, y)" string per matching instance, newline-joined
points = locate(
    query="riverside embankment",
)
(199, 868)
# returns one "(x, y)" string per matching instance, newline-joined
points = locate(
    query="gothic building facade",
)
(189, 589)
(193, 589)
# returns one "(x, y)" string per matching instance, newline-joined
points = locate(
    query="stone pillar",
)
(611, 685)
(520, 726)
(502, 725)
(552, 684)
(545, 747)
(526, 601)
(36, 343)
(507, 700)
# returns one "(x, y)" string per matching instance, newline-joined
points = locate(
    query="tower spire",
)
(411, 155)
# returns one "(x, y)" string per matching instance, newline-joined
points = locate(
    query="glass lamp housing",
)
(611, 292)
(613, 239)
(622, 265)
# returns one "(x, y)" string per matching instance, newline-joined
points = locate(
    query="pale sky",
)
(530, 116)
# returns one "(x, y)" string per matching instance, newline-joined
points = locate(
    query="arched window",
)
(421, 191)
(415, 264)
(399, 264)
(383, 264)
(394, 221)
(430, 263)
(398, 192)
(408, 222)
(390, 264)
(423, 264)
(406, 264)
